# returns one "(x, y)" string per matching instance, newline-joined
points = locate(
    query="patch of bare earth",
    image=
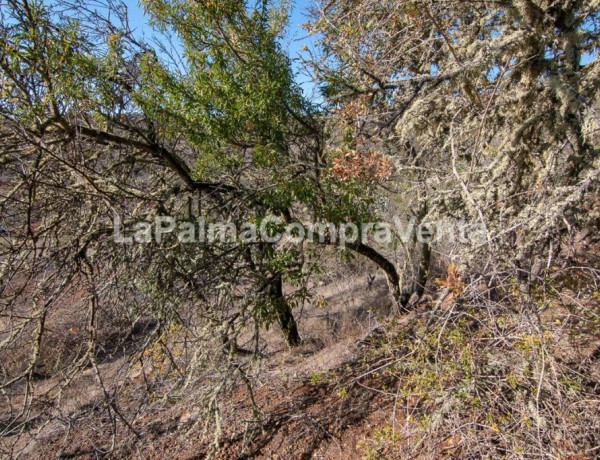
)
(305, 408)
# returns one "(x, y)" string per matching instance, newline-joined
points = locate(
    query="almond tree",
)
(96, 124)
(100, 131)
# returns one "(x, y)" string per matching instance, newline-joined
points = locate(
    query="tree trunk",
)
(423, 269)
(425, 260)
(285, 317)
(393, 278)
(401, 298)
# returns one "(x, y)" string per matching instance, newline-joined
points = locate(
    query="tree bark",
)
(393, 278)
(423, 274)
(284, 314)
(401, 298)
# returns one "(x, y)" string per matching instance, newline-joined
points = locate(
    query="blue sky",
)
(296, 38)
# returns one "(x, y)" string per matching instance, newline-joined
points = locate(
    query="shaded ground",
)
(470, 379)
(297, 386)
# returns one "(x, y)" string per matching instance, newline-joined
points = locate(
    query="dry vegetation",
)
(413, 348)
(463, 376)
